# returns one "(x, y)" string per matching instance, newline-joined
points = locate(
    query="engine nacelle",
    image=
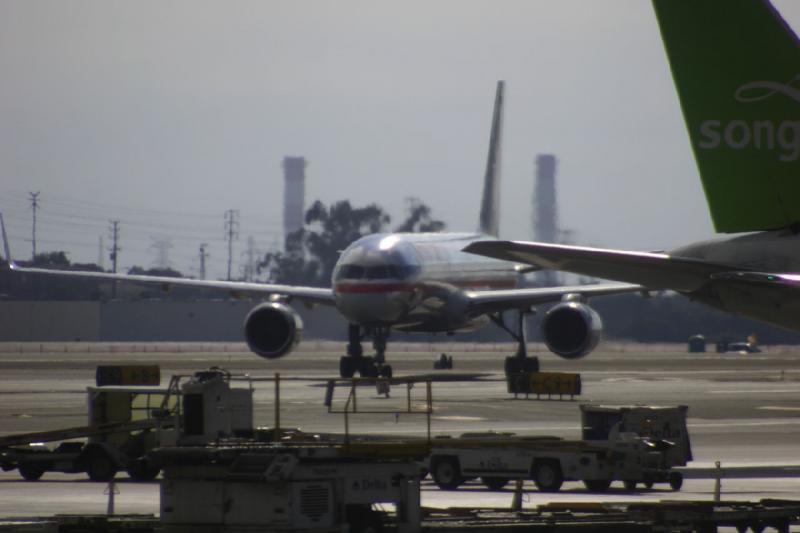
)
(272, 329)
(571, 329)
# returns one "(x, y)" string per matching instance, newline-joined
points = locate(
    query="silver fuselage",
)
(415, 281)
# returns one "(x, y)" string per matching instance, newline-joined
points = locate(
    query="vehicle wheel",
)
(31, 471)
(100, 467)
(597, 485)
(675, 481)
(630, 485)
(142, 470)
(347, 367)
(547, 476)
(648, 484)
(494, 483)
(446, 473)
(386, 371)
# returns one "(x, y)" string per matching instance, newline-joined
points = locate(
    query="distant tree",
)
(419, 218)
(312, 252)
(164, 272)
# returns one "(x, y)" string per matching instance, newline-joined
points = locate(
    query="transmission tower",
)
(203, 256)
(249, 268)
(34, 197)
(231, 233)
(113, 230)
(162, 248)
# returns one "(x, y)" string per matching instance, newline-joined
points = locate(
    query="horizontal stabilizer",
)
(652, 270)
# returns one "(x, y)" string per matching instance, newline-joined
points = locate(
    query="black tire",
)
(142, 470)
(446, 473)
(597, 485)
(367, 367)
(630, 485)
(347, 366)
(494, 483)
(512, 365)
(675, 481)
(100, 467)
(547, 476)
(531, 364)
(31, 471)
(648, 484)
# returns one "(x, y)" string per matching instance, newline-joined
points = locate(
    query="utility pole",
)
(101, 253)
(34, 197)
(203, 256)
(231, 233)
(115, 249)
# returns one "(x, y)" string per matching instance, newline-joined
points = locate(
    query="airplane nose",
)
(384, 308)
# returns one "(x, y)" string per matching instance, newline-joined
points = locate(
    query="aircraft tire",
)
(347, 366)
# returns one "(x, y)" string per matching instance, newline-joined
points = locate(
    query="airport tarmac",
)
(744, 410)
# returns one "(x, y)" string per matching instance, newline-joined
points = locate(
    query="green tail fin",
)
(736, 65)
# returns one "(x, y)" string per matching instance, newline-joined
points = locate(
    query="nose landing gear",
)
(355, 360)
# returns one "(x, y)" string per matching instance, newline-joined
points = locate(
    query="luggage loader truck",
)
(629, 444)
(125, 423)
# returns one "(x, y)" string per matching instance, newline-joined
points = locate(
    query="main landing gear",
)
(355, 360)
(520, 362)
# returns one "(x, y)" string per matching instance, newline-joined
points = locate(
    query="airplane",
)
(412, 282)
(736, 68)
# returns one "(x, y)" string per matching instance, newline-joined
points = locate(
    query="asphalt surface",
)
(744, 410)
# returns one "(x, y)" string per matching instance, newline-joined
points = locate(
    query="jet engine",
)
(272, 329)
(571, 329)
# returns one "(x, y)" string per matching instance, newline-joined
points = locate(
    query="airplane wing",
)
(502, 300)
(237, 289)
(651, 270)
(312, 295)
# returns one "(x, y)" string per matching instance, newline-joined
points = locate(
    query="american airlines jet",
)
(736, 66)
(420, 282)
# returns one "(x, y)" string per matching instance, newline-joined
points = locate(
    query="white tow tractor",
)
(630, 451)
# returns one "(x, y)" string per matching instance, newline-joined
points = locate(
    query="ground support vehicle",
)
(125, 423)
(548, 461)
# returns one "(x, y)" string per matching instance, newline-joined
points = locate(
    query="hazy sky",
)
(166, 114)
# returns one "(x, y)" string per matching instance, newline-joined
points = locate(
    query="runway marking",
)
(754, 391)
(778, 408)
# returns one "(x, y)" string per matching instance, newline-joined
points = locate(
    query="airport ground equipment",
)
(656, 423)
(549, 461)
(287, 488)
(125, 423)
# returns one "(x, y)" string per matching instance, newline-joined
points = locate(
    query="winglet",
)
(6, 248)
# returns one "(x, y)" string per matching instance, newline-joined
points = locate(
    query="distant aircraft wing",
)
(500, 300)
(237, 289)
(651, 270)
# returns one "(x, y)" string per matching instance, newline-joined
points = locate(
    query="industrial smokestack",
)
(545, 210)
(294, 191)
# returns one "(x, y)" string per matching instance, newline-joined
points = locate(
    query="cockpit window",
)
(351, 272)
(377, 272)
